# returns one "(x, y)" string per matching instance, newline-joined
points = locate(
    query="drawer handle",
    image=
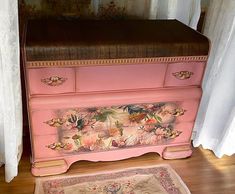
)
(178, 112)
(54, 80)
(182, 75)
(60, 146)
(55, 122)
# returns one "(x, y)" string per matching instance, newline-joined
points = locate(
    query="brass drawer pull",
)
(59, 146)
(182, 75)
(178, 112)
(55, 122)
(54, 80)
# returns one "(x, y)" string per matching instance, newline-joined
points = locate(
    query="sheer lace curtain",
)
(10, 89)
(215, 124)
(187, 12)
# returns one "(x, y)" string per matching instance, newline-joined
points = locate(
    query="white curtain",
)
(187, 12)
(215, 124)
(10, 89)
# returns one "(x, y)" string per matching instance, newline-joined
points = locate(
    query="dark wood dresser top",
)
(100, 39)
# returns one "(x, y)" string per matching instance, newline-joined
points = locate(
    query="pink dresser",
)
(110, 90)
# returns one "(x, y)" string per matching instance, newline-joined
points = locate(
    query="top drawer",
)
(120, 77)
(184, 74)
(51, 80)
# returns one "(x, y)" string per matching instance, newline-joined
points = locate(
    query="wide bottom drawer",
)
(70, 143)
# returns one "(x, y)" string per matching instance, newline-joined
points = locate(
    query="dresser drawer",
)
(190, 108)
(69, 142)
(45, 122)
(120, 77)
(184, 74)
(185, 129)
(54, 121)
(51, 80)
(41, 144)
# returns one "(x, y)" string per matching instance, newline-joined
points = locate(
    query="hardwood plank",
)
(203, 173)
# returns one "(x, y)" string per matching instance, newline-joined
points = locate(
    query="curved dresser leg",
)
(51, 167)
(177, 152)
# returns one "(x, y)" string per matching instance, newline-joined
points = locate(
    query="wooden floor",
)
(203, 173)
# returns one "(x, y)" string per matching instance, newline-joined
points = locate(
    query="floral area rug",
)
(161, 179)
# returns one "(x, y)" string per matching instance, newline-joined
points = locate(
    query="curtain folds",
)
(10, 89)
(187, 12)
(215, 123)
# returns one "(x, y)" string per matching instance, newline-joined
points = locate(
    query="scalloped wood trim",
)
(100, 62)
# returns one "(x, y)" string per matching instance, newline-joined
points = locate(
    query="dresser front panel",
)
(83, 128)
(41, 120)
(120, 77)
(40, 149)
(69, 143)
(43, 81)
(50, 121)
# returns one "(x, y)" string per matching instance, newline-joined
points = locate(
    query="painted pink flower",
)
(114, 143)
(149, 125)
(150, 121)
(120, 142)
(160, 132)
(89, 141)
(148, 138)
(68, 146)
(154, 140)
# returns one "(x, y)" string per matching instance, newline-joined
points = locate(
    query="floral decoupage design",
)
(106, 128)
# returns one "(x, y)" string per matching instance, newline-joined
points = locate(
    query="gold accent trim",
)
(182, 75)
(53, 80)
(126, 61)
(49, 163)
(178, 112)
(178, 148)
(55, 122)
(57, 146)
